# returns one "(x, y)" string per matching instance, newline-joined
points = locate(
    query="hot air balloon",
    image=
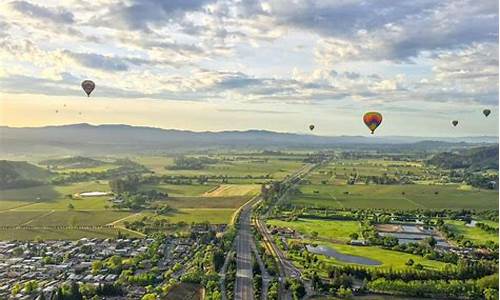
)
(311, 127)
(372, 120)
(454, 122)
(57, 111)
(88, 86)
(486, 112)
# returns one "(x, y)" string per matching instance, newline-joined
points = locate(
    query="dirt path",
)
(38, 217)
(123, 219)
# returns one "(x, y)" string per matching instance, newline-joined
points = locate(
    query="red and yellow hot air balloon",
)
(372, 120)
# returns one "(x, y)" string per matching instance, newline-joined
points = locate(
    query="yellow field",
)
(228, 190)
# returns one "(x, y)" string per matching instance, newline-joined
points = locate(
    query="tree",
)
(71, 206)
(314, 234)
(344, 292)
(354, 236)
(409, 262)
(149, 297)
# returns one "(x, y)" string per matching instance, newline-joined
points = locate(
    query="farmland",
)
(40, 209)
(394, 196)
(330, 230)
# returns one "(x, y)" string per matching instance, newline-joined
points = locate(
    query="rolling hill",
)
(475, 159)
(78, 139)
(15, 174)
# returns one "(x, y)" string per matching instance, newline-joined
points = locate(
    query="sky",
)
(236, 64)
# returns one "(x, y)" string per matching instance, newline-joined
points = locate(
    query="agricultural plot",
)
(339, 171)
(189, 215)
(177, 190)
(63, 234)
(326, 229)
(394, 196)
(206, 202)
(239, 167)
(230, 190)
(473, 234)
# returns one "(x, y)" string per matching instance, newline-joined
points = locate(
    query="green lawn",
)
(474, 234)
(391, 196)
(326, 229)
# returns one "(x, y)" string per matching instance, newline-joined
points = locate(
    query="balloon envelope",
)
(311, 127)
(454, 122)
(372, 120)
(88, 86)
(486, 112)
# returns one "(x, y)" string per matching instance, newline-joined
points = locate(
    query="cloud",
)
(142, 14)
(56, 15)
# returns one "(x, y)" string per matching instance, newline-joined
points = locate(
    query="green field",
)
(388, 258)
(391, 196)
(189, 215)
(63, 234)
(330, 229)
(180, 190)
(474, 234)
(234, 166)
(206, 202)
(338, 171)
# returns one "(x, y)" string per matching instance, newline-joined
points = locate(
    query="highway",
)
(243, 288)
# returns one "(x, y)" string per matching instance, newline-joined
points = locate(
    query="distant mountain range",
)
(103, 139)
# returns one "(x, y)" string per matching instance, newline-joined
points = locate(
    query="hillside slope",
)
(475, 159)
(15, 174)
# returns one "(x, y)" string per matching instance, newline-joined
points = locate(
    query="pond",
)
(327, 251)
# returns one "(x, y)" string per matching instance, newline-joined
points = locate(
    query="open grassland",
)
(63, 234)
(206, 202)
(189, 215)
(48, 197)
(395, 196)
(388, 258)
(338, 171)
(474, 234)
(326, 229)
(101, 168)
(180, 190)
(237, 167)
(155, 163)
(230, 190)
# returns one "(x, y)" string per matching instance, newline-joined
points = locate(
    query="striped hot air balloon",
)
(372, 120)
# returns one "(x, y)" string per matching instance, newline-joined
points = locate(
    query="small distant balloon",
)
(88, 86)
(454, 122)
(80, 113)
(64, 105)
(372, 120)
(57, 111)
(311, 127)
(486, 112)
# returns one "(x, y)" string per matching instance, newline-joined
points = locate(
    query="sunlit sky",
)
(236, 65)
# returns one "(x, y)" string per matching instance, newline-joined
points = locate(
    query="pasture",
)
(337, 172)
(177, 190)
(388, 258)
(395, 196)
(235, 166)
(326, 229)
(474, 234)
(189, 215)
